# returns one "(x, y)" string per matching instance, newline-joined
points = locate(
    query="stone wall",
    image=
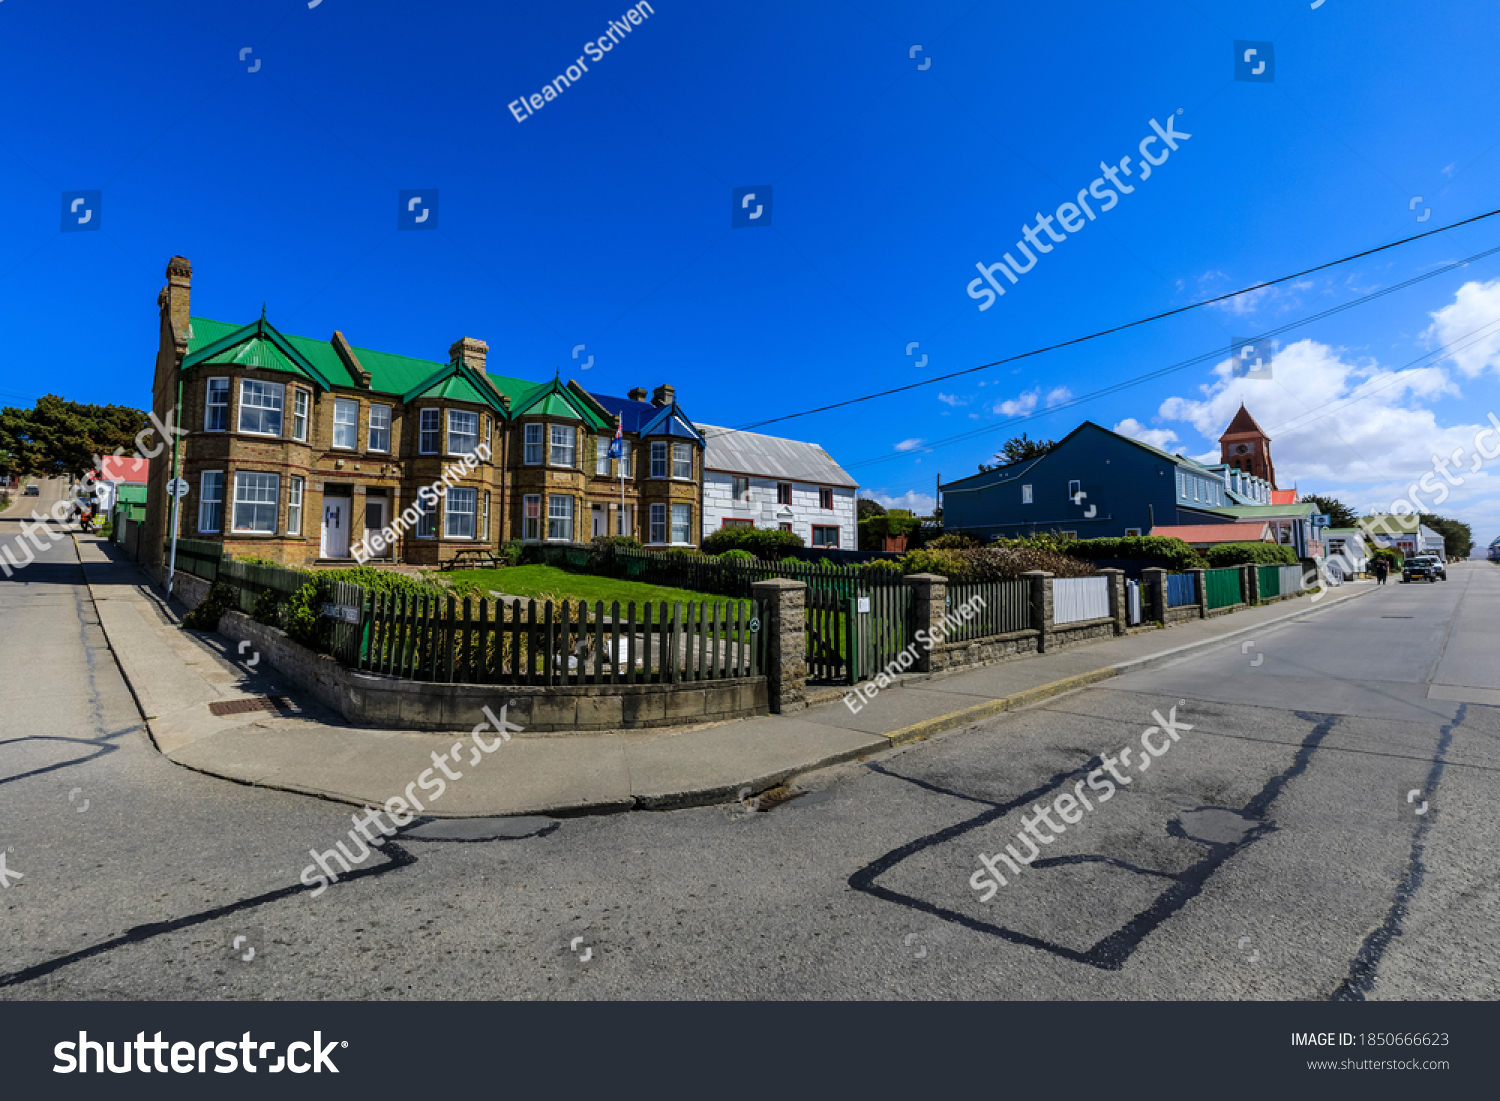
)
(391, 702)
(982, 651)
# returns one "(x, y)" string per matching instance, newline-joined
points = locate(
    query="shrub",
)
(304, 621)
(1390, 554)
(1236, 554)
(767, 543)
(267, 609)
(1173, 553)
(221, 598)
(512, 552)
(882, 565)
(952, 542)
(996, 563)
(629, 542)
(737, 554)
(254, 561)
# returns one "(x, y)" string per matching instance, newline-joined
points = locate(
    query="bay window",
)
(345, 423)
(255, 498)
(260, 407)
(463, 432)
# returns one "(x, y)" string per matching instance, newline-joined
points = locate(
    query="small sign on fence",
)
(864, 604)
(346, 612)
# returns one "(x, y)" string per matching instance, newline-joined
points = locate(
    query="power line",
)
(1120, 328)
(1179, 366)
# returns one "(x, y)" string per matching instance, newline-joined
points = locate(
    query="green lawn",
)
(533, 581)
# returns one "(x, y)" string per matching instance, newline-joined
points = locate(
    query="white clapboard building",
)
(752, 480)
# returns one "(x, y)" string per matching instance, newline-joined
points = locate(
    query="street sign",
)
(177, 487)
(346, 612)
(1322, 520)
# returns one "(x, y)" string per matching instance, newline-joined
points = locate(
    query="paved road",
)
(1269, 852)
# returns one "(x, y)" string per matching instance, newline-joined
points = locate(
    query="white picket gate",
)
(1079, 598)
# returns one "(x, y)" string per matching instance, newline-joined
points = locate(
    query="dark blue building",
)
(1094, 483)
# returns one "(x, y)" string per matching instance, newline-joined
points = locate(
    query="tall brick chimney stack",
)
(470, 352)
(637, 394)
(663, 395)
(179, 284)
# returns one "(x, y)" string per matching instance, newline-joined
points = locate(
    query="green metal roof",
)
(553, 399)
(1266, 512)
(389, 373)
(456, 388)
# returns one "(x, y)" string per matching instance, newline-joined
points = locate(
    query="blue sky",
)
(604, 219)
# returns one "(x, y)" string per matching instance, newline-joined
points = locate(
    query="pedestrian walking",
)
(1381, 569)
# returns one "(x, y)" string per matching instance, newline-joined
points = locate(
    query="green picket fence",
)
(251, 580)
(491, 642)
(1270, 581)
(1223, 587)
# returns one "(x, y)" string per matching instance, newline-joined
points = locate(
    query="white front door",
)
(336, 527)
(601, 520)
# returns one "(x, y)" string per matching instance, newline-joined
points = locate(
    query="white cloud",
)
(921, 504)
(1058, 396)
(1019, 406)
(908, 445)
(1353, 429)
(1471, 325)
(1163, 438)
(954, 399)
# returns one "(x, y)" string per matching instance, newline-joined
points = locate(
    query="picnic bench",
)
(474, 556)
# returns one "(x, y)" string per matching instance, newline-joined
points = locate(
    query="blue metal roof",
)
(643, 418)
(633, 414)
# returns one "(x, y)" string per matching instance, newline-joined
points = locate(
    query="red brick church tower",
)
(1245, 446)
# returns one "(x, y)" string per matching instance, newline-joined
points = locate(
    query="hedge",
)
(1263, 554)
(993, 563)
(1173, 552)
(768, 543)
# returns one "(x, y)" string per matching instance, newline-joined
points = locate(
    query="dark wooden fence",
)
(490, 642)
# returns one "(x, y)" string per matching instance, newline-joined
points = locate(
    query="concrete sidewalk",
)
(176, 674)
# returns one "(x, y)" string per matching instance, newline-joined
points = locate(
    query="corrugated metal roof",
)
(633, 414)
(1250, 532)
(1269, 512)
(736, 452)
(454, 388)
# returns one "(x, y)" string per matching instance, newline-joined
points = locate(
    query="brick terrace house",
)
(297, 448)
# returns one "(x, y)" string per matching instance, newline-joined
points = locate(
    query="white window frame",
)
(1075, 487)
(562, 439)
(555, 516)
(682, 523)
(271, 389)
(206, 501)
(209, 405)
(484, 520)
(601, 455)
(301, 403)
(682, 457)
(294, 494)
(659, 458)
(625, 520)
(534, 448)
(1132, 531)
(379, 412)
(454, 434)
(531, 525)
(657, 533)
(460, 503)
(242, 480)
(429, 429)
(624, 469)
(1026, 495)
(343, 426)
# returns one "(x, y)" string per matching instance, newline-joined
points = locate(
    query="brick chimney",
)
(638, 394)
(174, 297)
(350, 360)
(663, 395)
(470, 352)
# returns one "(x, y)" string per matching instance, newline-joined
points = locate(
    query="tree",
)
(1017, 450)
(60, 437)
(1458, 537)
(1340, 514)
(866, 507)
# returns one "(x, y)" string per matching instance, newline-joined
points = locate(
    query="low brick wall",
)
(390, 702)
(982, 651)
(1182, 614)
(1225, 610)
(1073, 634)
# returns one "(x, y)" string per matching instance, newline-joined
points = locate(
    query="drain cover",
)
(251, 703)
